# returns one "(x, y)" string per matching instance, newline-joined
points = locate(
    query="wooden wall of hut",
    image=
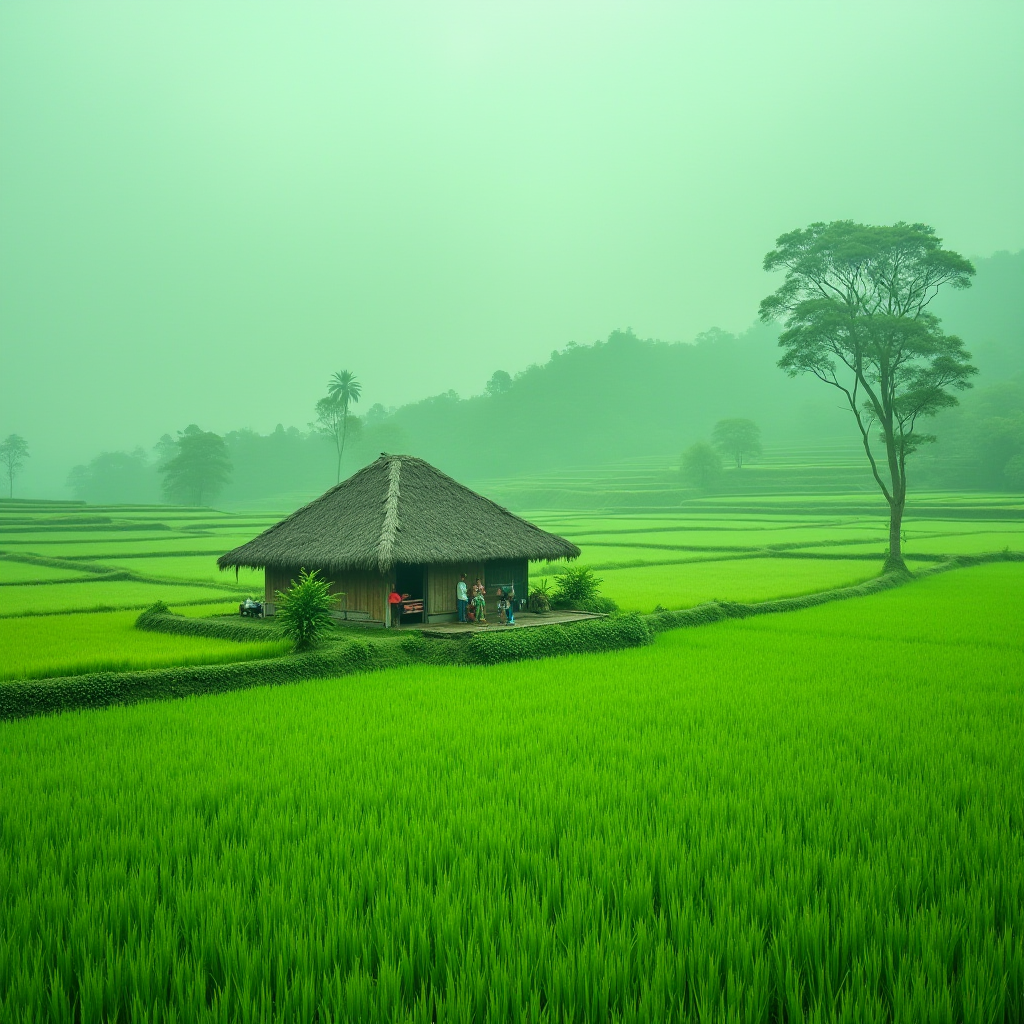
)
(365, 591)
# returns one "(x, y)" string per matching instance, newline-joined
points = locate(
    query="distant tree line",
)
(614, 400)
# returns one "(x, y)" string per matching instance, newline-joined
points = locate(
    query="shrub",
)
(303, 610)
(576, 586)
(701, 465)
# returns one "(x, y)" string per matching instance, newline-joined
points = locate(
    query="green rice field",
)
(37, 647)
(44, 599)
(806, 817)
(682, 586)
(813, 816)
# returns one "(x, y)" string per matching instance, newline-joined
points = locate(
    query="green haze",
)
(208, 209)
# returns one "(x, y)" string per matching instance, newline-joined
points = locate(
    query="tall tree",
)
(343, 390)
(199, 469)
(13, 453)
(854, 304)
(738, 438)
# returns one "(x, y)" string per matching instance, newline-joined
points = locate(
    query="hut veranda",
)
(400, 524)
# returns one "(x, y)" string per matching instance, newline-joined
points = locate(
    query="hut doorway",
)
(411, 579)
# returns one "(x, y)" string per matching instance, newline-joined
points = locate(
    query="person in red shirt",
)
(395, 601)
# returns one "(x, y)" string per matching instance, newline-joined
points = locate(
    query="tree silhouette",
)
(199, 469)
(499, 384)
(332, 412)
(854, 303)
(701, 465)
(737, 438)
(13, 453)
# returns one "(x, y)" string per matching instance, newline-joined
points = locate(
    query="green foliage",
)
(738, 438)
(499, 384)
(701, 465)
(114, 477)
(303, 610)
(332, 412)
(199, 468)
(550, 641)
(575, 586)
(854, 302)
(762, 816)
(13, 453)
(539, 600)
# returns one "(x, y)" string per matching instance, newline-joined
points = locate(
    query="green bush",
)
(577, 586)
(304, 610)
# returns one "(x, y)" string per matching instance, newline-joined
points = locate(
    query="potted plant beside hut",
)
(539, 601)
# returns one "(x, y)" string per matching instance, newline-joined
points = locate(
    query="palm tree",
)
(343, 389)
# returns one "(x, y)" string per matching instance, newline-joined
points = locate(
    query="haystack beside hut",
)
(401, 524)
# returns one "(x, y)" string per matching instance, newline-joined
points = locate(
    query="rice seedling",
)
(55, 645)
(736, 823)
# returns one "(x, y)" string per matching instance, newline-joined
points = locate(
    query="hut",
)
(400, 524)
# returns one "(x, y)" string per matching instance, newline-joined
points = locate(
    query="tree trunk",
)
(894, 559)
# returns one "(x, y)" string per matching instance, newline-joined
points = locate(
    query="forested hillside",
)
(632, 399)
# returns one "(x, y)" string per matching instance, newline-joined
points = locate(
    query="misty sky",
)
(207, 208)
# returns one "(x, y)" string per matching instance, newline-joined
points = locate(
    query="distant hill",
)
(629, 401)
(628, 397)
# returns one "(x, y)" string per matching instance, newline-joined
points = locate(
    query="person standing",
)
(462, 598)
(510, 605)
(480, 601)
(395, 602)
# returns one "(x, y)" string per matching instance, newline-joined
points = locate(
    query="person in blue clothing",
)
(462, 597)
(510, 605)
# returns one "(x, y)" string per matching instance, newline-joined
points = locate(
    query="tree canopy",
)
(701, 465)
(854, 305)
(199, 469)
(13, 453)
(738, 438)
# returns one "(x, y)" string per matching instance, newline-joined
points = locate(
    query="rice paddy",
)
(738, 823)
(38, 647)
(811, 816)
(46, 599)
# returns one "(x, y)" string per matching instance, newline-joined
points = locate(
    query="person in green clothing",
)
(480, 601)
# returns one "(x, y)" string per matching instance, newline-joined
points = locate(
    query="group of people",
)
(478, 612)
(471, 603)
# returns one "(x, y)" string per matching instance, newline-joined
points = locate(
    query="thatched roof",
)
(398, 509)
